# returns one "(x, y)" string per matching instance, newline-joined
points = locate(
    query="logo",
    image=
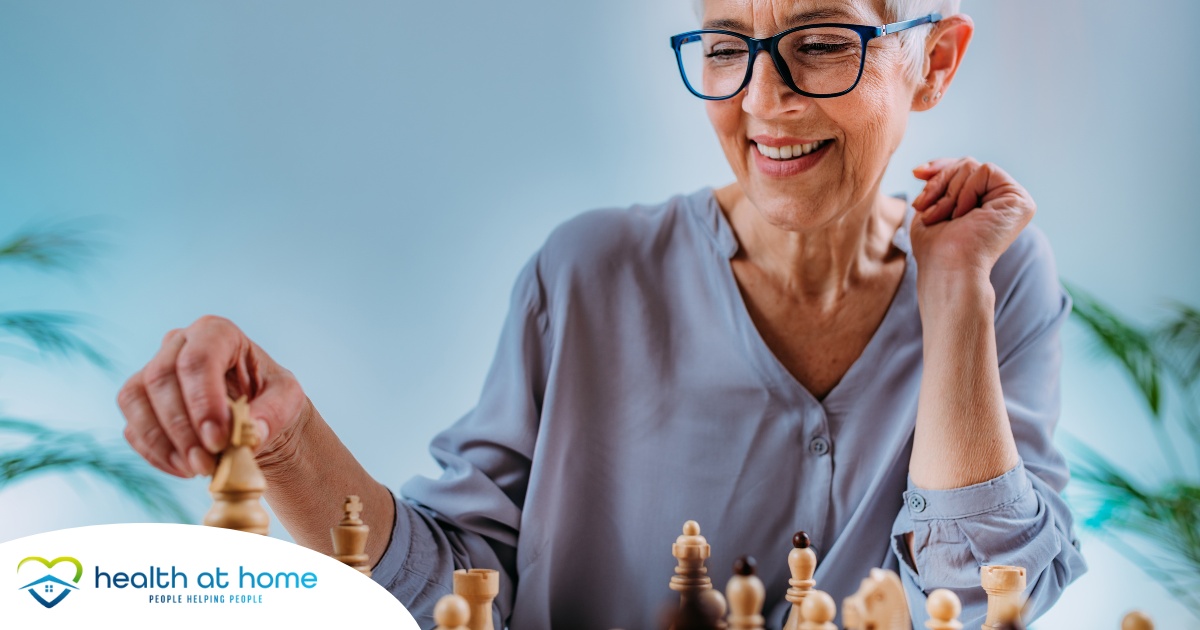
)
(49, 590)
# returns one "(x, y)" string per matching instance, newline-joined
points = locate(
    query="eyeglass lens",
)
(822, 61)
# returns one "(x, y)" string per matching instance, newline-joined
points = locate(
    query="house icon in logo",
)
(49, 590)
(47, 587)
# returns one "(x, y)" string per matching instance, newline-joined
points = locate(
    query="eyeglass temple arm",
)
(900, 26)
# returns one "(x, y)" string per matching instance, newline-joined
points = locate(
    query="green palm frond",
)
(1179, 339)
(59, 246)
(47, 450)
(1166, 519)
(51, 333)
(1155, 526)
(1133, 347)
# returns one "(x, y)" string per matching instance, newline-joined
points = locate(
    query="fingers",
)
(947, 193)
(944, 207)
(161, 381)
(177, 407)
(934, 189)
(931, 168)
(971, 194)
(210, 352)
(143, 432)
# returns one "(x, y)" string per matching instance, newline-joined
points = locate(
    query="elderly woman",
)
(793, 351)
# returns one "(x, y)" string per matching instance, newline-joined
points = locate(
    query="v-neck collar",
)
(761, 356)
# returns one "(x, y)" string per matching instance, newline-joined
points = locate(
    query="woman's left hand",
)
(968, 214)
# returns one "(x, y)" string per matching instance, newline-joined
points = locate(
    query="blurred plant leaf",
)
(31, 448)
(1156, 527)
(1179, 339)
(1124, 342)
(1168, 519)
(48, 450)
(51, 333)
(56, 247)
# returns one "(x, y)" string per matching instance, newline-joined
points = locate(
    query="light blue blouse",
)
(631, 392)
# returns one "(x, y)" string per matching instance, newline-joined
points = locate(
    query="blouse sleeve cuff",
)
(386, 572)
(981, 498)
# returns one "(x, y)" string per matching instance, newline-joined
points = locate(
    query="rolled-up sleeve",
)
(1018, 518)
(470, 516)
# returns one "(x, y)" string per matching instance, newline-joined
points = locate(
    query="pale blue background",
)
(356, 185)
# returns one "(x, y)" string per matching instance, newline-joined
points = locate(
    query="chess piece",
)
(350, 537)
(237, 482)
(944, 608)
(691, 580)
(745, 595)
(479, 587)
(1137, 620)
(803, 562)
(818, 611)
(879, 604)
(1004, 586)
(451, 613)
(703, 611)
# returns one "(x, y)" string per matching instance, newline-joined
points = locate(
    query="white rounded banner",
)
(183, 576)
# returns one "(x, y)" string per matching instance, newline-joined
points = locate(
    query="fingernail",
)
(211, 436)
(200, 461)
(264, 431)
(177, 463)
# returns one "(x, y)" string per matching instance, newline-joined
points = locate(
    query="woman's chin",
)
(794, 213)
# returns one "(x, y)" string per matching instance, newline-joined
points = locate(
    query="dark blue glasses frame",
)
(771, 46)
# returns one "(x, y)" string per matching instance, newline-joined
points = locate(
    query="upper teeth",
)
(788, 152)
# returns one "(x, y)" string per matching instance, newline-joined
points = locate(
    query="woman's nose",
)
(767, 96)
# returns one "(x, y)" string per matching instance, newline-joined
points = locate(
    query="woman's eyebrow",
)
(794, 20)
(827, 13)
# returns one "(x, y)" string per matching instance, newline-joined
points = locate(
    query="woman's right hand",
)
(176, 407)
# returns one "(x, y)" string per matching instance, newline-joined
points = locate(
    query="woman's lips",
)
(787, 168)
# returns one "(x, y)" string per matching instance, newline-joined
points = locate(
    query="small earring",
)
(938, 95)
(926, 98)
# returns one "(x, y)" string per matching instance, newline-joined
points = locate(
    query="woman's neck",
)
(821, 265)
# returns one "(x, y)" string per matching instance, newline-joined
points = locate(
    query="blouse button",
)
(819, 446)
(916, 502)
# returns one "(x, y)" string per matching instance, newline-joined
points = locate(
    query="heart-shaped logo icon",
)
(49, 590)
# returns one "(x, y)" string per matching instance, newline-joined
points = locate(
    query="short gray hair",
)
(912, 41)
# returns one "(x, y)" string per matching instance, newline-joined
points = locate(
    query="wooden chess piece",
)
(1137, 620)
(350, 537)
(1004, 586)
(451, 612)
(237, 482)
(691, 580)
(745, 595)
(802, 561)
(479, 587)
(818, 611)
(703, 611)
(944, 608)
(879, 604)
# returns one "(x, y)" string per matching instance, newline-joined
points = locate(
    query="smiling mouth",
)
(791, 152)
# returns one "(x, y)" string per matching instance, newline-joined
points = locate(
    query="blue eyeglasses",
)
(816, 60)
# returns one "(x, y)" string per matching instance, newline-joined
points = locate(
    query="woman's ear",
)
(944, 50)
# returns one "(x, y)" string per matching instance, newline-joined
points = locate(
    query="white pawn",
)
(451, 613)
(944, 608)
(818, 611)
(803, 563)
(1137, 620)
(745, 595)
